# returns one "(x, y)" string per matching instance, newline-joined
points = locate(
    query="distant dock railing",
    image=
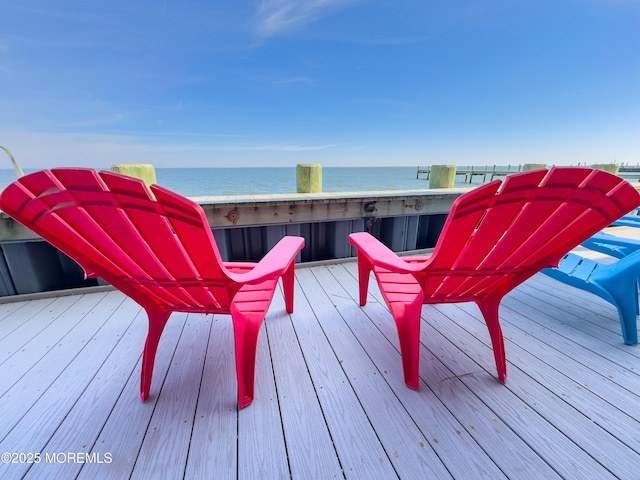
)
(491, 171)
(629, 171)
(471, 171)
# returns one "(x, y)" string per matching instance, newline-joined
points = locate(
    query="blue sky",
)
(337, 82)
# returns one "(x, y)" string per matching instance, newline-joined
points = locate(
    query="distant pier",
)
(626, 168)
(471, 171)
(629, 171)
(491, 171)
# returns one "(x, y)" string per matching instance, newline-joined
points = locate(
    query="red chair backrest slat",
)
(157, 248)
(502, 232)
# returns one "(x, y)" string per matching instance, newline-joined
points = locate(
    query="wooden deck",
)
(330, 401)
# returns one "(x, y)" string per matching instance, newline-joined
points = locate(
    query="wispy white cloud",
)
(276, 17)
(617, 2)
(179, 134)
(295, 81)
(357, 148)
(278, 147)
(61, 14)
(100, 150)
(384, 102)
(394, 41)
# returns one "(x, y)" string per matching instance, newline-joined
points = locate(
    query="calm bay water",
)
(256, 181)
(196, 182)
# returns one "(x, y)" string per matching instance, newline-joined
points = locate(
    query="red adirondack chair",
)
(158, 249)
(495, 237)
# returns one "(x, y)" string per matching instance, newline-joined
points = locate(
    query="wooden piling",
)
(309, 178)
(532, 166)
(144, 171)
(442, 176)
(607, 167)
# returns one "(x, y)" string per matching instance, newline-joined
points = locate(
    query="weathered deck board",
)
(599, 410)
(330, 400)
(310, 448)
(166, 443)
(583, 313)
(261, 443)
(406, 447)
(95, 404)
(575, 412)
(213, 449)
(299, 346)
(561, 348)
(8, 309)
(124, 431)
(42, 415)
(470, 334)
(38, 317)
(12, 324)
(440, 429)
(42, 367)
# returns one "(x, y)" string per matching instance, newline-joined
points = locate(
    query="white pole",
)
(16, 167)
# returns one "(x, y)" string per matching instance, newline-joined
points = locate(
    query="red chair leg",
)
(157, 321)
(407, 317)
(246, 329)
(364, 270)
(288, 287)
(489, 309)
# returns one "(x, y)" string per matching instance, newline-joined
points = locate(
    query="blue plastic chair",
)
(613, 245)
(629, 220)
(617, 283)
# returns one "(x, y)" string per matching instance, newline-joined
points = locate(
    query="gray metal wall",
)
(330, 240)
(35, 266)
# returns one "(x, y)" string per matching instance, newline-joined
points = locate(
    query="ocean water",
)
(196, 182)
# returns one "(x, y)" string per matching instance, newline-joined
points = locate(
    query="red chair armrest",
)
(273, 264)
(379, 255)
